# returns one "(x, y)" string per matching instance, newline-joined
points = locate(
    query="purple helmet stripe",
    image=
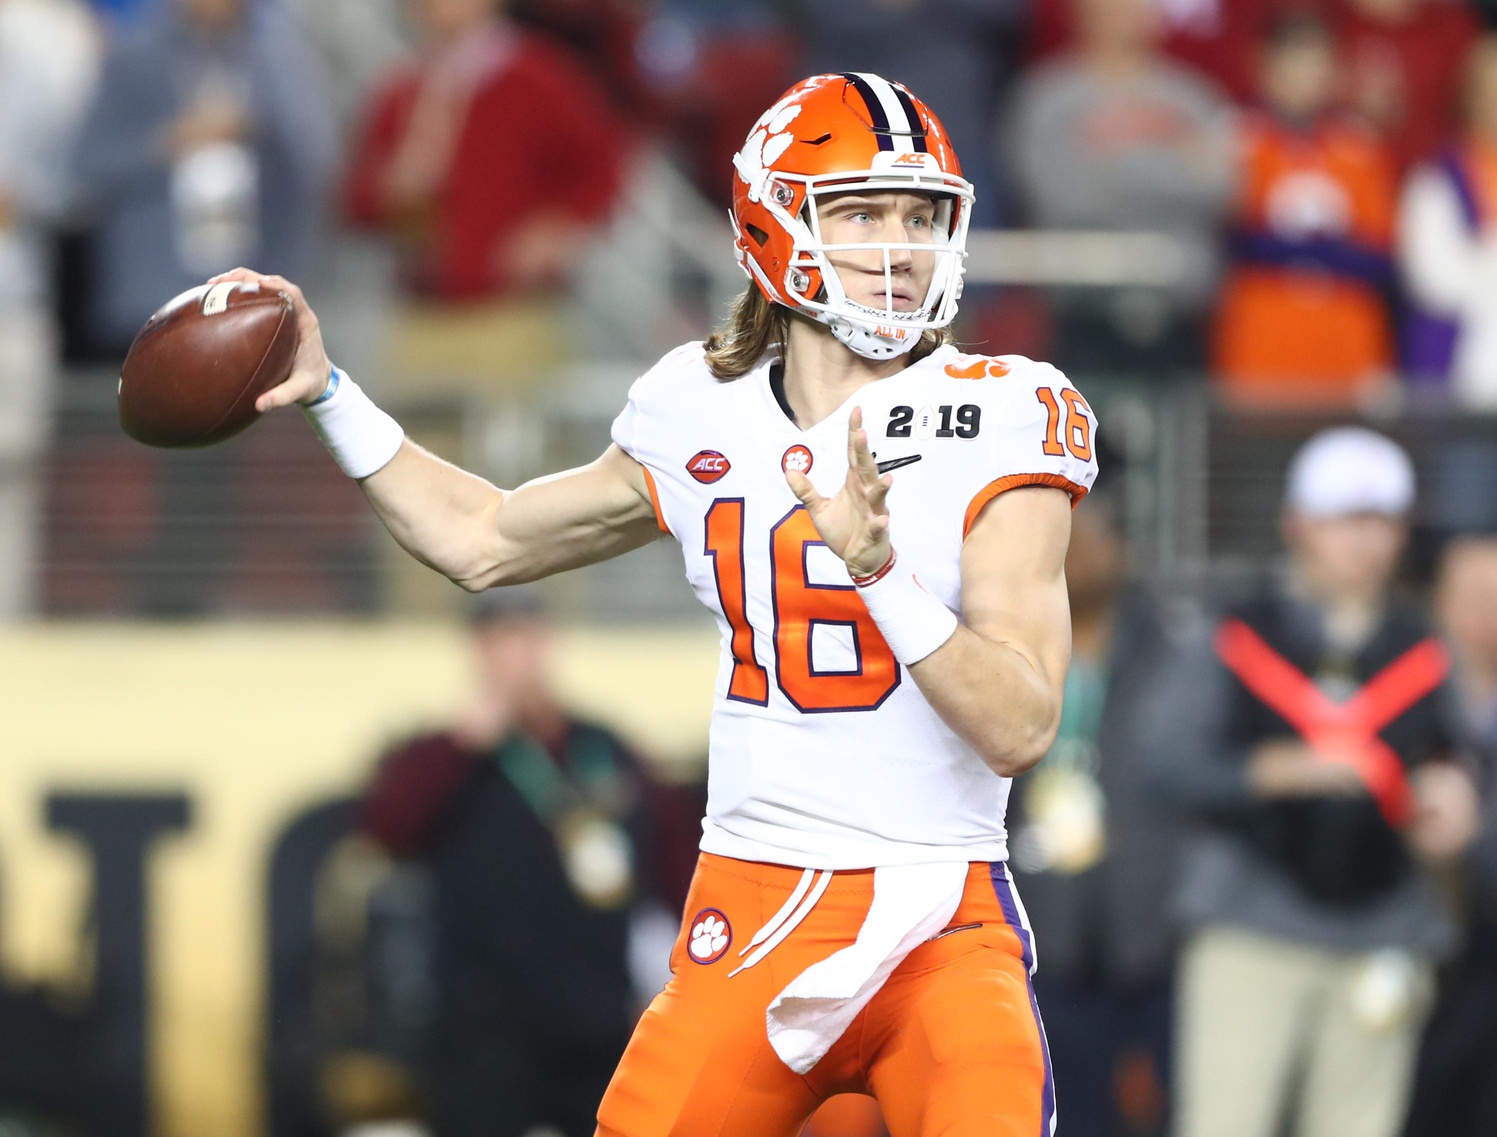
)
(875, 108)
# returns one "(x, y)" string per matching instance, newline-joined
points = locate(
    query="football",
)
(193, 374)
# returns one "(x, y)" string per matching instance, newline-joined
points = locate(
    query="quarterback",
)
(879, 523)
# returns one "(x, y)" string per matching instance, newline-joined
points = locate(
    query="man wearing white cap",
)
(1315, 755)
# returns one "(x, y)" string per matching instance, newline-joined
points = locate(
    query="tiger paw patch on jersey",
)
(711, 935)
(797, 458)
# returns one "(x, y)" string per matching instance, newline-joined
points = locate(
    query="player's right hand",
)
(854, 523)
(311, 369)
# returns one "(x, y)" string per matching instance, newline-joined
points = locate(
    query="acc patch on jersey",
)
(797, 458)
(711, 935)
(707, 466)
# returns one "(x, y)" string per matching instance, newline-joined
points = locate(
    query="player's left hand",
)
(854, 523)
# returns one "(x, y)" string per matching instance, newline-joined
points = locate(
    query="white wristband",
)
(913, 622)
(361, 438)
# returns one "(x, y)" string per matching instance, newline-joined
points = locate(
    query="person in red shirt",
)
(1302, 315)
(490, 158)
(1402, 59)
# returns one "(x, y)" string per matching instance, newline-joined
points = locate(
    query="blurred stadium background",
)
(202, 650)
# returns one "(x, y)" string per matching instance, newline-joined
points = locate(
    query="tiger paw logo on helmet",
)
(765, 144)
(710, 936)
(838, 134)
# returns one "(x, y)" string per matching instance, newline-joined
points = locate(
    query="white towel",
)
(911, 903)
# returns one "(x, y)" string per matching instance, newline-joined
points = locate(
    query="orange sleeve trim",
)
(655, 499)
(1013, 482)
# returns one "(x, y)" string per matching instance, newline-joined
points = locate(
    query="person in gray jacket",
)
(1114, 136)
(1312, 751)
(210, 143)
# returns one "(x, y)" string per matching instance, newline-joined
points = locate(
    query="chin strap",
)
(867, 336)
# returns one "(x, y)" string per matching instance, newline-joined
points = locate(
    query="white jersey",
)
(823, 751)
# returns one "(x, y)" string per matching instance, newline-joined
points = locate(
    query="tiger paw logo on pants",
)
(710, 936)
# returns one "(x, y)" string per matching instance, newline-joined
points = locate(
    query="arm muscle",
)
(479, 536)
(998, 681)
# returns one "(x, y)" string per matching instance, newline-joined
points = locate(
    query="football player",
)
(894, 644)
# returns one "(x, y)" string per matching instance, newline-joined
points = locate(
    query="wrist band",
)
(361, 438)
(333, 379)
(912, 621)
(877, 574)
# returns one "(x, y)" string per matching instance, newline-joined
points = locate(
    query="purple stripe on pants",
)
(1006, 900)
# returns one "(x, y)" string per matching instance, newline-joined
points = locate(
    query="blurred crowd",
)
(1237, 936)
(1318, 176)
(1319, 164)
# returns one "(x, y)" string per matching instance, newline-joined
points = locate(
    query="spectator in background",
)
(605, 36)
(1303, 313)
(47, 61)
(1401, 61)
(490, 160)
(1312, 750)
(1466, 606)
(710, 67)
(1455, 1094)
(209, 145)
(1114, 136)
(548, 847)
(1448, 249)
(1095, 856)
(1219, 38)
(960, 54)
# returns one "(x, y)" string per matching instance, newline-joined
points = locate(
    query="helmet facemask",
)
(813, 284)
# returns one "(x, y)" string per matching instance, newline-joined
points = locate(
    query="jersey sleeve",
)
(627, 425)
(1046, 436)
(642, 427)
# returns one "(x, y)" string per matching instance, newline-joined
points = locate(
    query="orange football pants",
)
(951, 1045)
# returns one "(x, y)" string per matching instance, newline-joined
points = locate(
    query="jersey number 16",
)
(799, 606)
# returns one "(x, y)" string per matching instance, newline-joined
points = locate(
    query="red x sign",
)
(1341, 732)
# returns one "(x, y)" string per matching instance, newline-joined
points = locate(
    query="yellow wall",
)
(253, 722)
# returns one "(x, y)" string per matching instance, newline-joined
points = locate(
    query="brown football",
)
(195, 370)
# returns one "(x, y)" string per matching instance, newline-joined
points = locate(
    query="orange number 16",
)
(799, 605)
(1078, 429)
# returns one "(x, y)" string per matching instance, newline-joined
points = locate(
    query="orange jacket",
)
(1302, 312)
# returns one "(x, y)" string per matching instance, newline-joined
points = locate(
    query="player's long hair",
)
(757, 324)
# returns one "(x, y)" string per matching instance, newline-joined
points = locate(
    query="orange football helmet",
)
(835, 134)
